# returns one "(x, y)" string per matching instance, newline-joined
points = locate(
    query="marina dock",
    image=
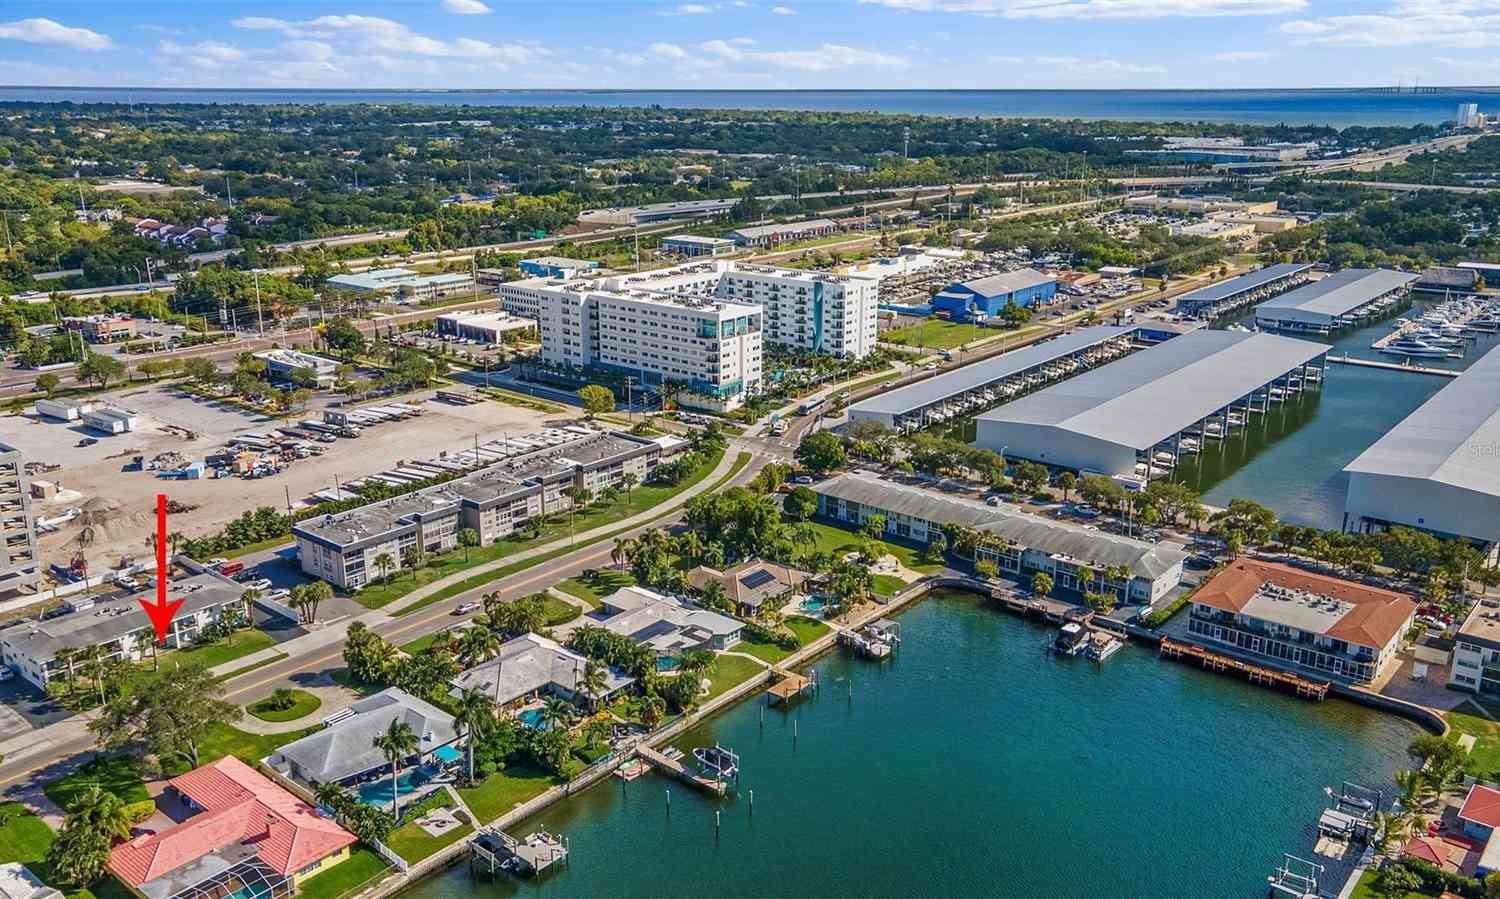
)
(1212, 661)
(675, 767)
(497, 850)
(1347, 359)
(790, 686)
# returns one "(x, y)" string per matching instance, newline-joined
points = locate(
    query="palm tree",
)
(555, 713)
(384, 563)
(652, 708)
(330, 795)
(396, 743)
(595, 679)
(628, 480)
(467, 537)
(475, 717)
(478, 644)
(697, 662)
(623, 549)
(94, 822)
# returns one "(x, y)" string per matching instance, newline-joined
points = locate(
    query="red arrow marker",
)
(162, 611)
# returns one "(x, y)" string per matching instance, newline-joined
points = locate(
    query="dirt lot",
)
(104, 469)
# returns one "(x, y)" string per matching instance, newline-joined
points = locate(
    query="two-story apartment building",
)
(1020, 543)
(1476, 652)
(1299, 621)
(352, 548)
(40, 651)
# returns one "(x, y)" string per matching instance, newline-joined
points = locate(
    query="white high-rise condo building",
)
(814, 311)
(708, 350)
(1468, 116)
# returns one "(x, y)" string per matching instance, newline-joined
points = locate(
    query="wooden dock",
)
(1347, 359)
(668, 765)
(499, 851)
(789, 687)
(1256, 674)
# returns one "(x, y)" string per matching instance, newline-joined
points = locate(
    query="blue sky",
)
(751, 43)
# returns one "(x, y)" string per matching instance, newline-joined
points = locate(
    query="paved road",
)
(52, 749)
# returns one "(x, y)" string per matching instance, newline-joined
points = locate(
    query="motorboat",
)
(1412, 346)
(718, 761)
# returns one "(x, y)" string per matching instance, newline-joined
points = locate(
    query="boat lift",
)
(1296, 877)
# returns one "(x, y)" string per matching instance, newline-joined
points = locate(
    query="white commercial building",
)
(282, 365)
(403, 285)
(698, 245)
(485, 327)
(1134, 417)
(20, 562)
(1439, 469)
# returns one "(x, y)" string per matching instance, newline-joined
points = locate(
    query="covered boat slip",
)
(1003, 377)
(1439, 469)
(1338, 301)
(1225, 297)
(1137, 417)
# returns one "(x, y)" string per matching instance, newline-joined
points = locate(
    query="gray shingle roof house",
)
(532, 665)
(346, 748)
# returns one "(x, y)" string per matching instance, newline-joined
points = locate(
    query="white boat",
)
(718, 761)
(1411, 346)
(1165, 457)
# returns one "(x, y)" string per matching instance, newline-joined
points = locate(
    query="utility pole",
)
(260, 324)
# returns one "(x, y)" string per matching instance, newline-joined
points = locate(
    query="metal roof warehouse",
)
(1439, 469)
(911, 405)
(1215, 299)
(1333, 301)
(1104, 420)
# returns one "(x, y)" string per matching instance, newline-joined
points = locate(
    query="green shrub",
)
(137, 812)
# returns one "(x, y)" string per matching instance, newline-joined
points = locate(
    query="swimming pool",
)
(378, 792)
(813, 604)
(532, 718)
(666, 663)
(448, 754)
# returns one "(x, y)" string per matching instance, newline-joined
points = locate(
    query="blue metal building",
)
(986, 297)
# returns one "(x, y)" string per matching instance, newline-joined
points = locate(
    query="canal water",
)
(1293, 460)
(975, 765)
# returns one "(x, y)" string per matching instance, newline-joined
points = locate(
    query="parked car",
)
(802, 479)
(216, 561)
(464, 608)
(278, 595)
(260, 583)
(88, 441)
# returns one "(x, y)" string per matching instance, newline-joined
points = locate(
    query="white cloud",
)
(783, 11)
(1241, 56)
(825, 58)
(688, 9)
(203, 54)
(1468, 24)
(466, 7)
(388, 41)
(668, 51)
(50, 33)
(1101, 66)
(1098, 9)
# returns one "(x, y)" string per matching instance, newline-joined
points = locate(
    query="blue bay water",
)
(1337, 107)
(974, 765)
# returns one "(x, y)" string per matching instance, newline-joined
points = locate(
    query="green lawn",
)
(871, 382)
(888, 584)
(362, 866)
(935, 334)
(249, 548)
(304, 704)
(116, 774)
(403, 582)
(504, 791)
(413, 843)
(839, 540)
(215, 654)
(559, 612)
(420, 643)
(806, 629)
(1484, 760)
(603, 583)
(479, 580)
(342, 677)
(223, 739)
(1365, 889)
(25, 838)
(729, 672)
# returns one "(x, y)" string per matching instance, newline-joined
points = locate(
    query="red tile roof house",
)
(248, 838)
(1287, 618)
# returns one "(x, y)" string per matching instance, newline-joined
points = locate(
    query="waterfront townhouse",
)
(242, 835)
(344, 549)
(1476, 651)
(711, 348)
(531, 667)
(20, 562)
(345, 750)
(41, 651)
(666, 624)
(1020, 543)
(1299, 621)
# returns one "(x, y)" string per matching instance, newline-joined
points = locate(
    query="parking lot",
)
(167, 418)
